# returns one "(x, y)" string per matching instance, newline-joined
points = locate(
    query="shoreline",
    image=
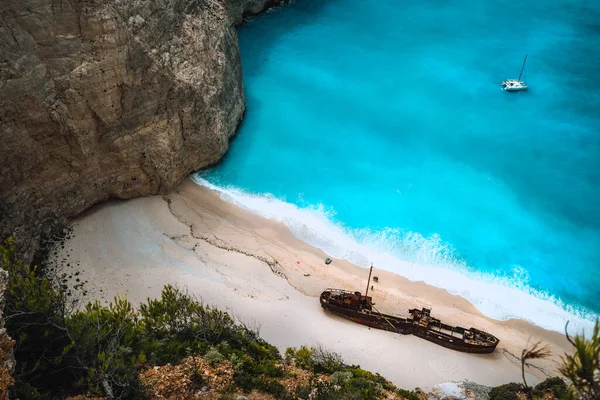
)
(257, 270)
(500, 298)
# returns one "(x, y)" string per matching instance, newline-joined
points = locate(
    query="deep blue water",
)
(378, 131)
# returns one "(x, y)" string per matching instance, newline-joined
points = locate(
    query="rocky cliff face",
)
(108, 99)
(241, 8)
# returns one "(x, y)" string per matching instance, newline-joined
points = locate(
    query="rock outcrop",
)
(241, 8)
(109, 99)
(105, 99)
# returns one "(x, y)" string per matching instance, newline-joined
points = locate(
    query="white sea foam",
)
(417, 258)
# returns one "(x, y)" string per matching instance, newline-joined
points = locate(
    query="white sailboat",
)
(515, 85)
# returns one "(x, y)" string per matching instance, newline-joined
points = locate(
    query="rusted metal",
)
(369, 280)
(358, 308)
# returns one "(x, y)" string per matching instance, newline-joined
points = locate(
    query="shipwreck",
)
(361, 309)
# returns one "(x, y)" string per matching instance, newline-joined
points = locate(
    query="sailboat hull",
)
(514, 89)
(513, 85)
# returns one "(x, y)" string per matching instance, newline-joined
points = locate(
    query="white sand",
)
(255, 269)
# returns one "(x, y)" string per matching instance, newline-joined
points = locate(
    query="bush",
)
(556, 385)
(324, 361)
(269, 368)
(583, 367)
(345, 382)
(272, 386)
(358, 372)
(244, 380)
(302, 357)
(213, 357)
(328, 391)
(104, 340)
(99, 350)
(408, 394)
(508, 391)
(340, 377)
(316, 359)
(62, 350)
(290, 354)
(35, 312)
(303, 391)
(350, 383)
(236, 361)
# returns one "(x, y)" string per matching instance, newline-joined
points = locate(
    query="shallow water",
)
(378, 132)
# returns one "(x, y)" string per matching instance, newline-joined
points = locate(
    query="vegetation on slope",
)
(176, 347)
(581, 369)
(63, 349)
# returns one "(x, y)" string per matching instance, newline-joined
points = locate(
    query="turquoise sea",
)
(378, 131)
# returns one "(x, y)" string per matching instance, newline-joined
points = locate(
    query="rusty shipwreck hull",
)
(373, 320)
(359, 309)
(453, 343)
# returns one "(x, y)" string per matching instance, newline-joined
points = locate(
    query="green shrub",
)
(556, 385)
(304, 391)
(363, 389)
(269, 368)
(582, 368)
(290, 354)
(351, 383)
(408, 394)
(236, 361)
(328, 391)
(340, 377)
(99, 350)
(303, 357)
(359, 373)
(272, 386)
(63, 350)
(104, 340)
(324, 361)
(508, 391)
(244, 380)
(213, 357)
(315, 359)
(177, 323)
(225, 348)
(35, 313)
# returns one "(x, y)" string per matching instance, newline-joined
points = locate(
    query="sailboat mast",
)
(522, 67)
(369, 281)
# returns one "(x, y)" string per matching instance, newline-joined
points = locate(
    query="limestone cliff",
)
(111, 99)
(240, 8)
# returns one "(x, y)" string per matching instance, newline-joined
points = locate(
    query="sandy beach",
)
(257, 270)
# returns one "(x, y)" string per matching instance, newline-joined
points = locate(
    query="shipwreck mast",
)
(369, 280)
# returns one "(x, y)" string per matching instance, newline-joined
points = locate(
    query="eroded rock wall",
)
(241, 8)
(109, 99)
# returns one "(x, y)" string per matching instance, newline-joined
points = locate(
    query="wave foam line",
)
(416, 258)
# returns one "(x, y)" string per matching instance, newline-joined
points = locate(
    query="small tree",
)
(60, 349)
(35, 315)
(583, 367)
(533, 352)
